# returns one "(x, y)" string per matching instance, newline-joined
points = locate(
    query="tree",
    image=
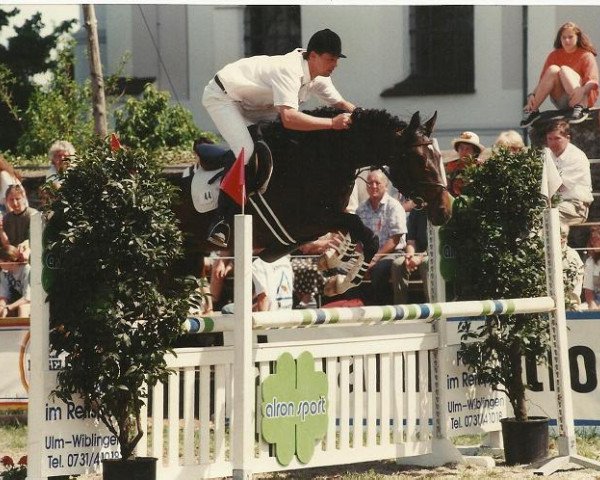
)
(495, 233)
(114, 309)
(26, 54)
(151, 122)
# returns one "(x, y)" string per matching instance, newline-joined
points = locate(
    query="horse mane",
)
(370, 140)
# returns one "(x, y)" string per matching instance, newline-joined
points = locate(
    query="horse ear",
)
(415, 122)
(429, 124)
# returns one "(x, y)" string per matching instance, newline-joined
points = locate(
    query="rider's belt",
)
(218, 82)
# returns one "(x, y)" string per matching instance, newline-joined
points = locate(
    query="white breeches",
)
(231, 119)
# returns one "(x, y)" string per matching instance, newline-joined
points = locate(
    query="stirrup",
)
(219, 234)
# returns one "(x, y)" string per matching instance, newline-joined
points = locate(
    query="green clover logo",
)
(294, 408)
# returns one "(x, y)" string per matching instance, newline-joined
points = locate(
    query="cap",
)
(326, 41)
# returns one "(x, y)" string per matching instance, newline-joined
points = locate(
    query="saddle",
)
(258, 169)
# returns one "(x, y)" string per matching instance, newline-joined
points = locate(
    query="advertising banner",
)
(14, 358)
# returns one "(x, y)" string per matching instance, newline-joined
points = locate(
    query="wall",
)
(375, 38)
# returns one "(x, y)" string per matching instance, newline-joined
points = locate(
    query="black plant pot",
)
(139, 468)
(525, 442)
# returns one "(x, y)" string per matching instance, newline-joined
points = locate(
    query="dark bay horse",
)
(313, 176)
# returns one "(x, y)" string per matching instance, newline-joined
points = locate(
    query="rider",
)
(264, 87)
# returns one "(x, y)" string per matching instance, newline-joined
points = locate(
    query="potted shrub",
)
(495, 234)
(114, 310)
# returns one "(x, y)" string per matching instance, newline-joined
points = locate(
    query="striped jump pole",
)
(372, 314)
(394, 313)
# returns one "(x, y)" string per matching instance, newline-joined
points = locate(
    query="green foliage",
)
(152, 122)
(60, 110)
(495, 232)
(25, 54)
(114, 309)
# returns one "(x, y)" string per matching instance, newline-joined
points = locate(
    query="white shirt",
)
(264, 82)
(387, 220)
(591, 276)
(574, 169)
(275, 280)
(15, 282)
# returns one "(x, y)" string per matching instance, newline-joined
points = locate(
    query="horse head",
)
(416, 169)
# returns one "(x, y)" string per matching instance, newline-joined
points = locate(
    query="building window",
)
(271, 30)
(441, 52)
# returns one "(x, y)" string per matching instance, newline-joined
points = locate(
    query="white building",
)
(473, 64)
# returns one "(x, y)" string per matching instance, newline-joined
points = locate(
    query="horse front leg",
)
(356, 262)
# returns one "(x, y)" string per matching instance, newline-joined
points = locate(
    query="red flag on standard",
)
(114, 142)
(234, 182)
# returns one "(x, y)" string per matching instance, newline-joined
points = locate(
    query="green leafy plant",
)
(495, 233)
(61, 109)
(115, 310)
(151, 122)
(12, 471)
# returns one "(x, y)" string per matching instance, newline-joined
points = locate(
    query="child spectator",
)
(569, 76)
(15, 298)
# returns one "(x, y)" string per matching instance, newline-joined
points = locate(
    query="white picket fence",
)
(379, 404)
(385, 370)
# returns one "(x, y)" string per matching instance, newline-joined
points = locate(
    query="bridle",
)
(419, 200)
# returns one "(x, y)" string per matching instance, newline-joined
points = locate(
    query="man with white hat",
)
(469, 149)
(266, 87)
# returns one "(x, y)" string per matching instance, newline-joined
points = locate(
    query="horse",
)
(313, 177)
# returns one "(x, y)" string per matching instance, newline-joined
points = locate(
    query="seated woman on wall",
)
(569, 77)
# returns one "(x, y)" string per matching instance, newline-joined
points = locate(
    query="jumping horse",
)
(312, 179)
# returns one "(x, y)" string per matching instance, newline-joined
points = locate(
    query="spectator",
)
(58, 152)
(573, 271)
(469, 149)
(219, 270)
(309, 280)
(15, 224)
(511, 140)
(386, 218)
(8, 176)
(591, 275)
(569, 76)
(415, 259)
(15, 298)
(264, 87)
(359, 192)
(574, 169)
(272, 285)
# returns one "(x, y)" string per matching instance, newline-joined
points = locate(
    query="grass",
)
(13, 442)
